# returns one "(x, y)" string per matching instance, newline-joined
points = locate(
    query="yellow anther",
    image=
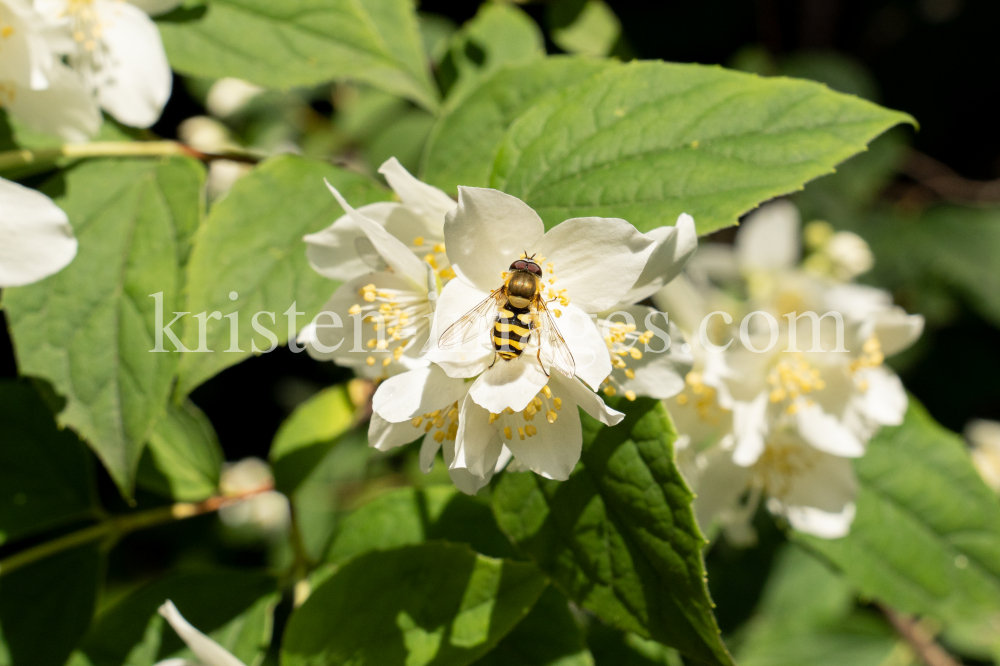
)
(417, 421)
(386, 361)
(370, 360)
(418, 241)
(551, 416)
(355, 309)
(547, 391)
(635, 353)
(630, 395)
(430, 259)
(537, 402)
(507, 432)
(530, 430)
(508, 410)
(548, 267)
(557, 312)
(439, 436)
(369, 296)
(682, 399)
(630, 373)
(382, 344)
(439, 248)
(7, 31)
(553, 279)
(370, 344)
(493, 417)
(520, 434)
(610, 390)
(557, 403)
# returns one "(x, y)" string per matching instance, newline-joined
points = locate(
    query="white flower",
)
(984, 437)
(229, 95)
(777, 389)
(345, 250)
(815, 491)
(36, 239)
(265, 513)
(36, 88)
(116, 50)
(386, 304)
(544, 437)
(589, 265)
(207, 651)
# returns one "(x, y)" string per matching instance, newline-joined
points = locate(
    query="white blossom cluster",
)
(412, 268)
(779, 402)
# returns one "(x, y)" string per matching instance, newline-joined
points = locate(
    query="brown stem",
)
(118, 526)
(918, 638)
(943, 181)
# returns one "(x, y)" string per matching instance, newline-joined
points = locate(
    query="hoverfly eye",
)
(518, 266)
(534, 268)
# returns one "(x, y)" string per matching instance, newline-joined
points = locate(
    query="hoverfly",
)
(517, 312)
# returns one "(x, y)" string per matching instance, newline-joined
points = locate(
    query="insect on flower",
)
(517, 313)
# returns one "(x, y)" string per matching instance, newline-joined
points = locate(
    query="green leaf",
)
(46, 479)
(466, 138)
(89, 329)
(233, 607)
(251, 244)
(500, 34)
(584, 26)
(615, 648)
(308, 434)
(926, 538)
(619, 536)
(434, 603)
(304, 43)
(183, 458)
(548, 636)
(807, 617)
(650, 140)
(46, 607)
(408, 516)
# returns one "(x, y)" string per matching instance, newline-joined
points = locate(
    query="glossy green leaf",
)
(183, 458)
(90, 328)
(466, 138)
(234, 608)
(619, 536)
(251, 244)
(500, 34)
(46, 607)
(650, 140)
(46, 479)
(307, 435)
(548, 636)
(808, 617)
(926, 538)
(408, 516)
(611, 647)
(584, 26)
(434, 603)
(304, 43)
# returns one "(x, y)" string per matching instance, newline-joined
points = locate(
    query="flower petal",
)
(897, 330)
(659, 373)
(674, 246)
(464, 480)
(156, 7)
(486, 232)
(36, 239)
(471, 358)
(825, 432)
(590, 352)
(555, 448)
(884, 401)
(769, 238)
(478, 443)
(208, 651)
(510, 384)
(749, 426)
(824, 524)
(404, 397)
(65, 109)
(385, 435)
(342, 251)
(428, 452)
(425, 200)
(596, 259)
(134, 81)
(586, 399)
(399, 257)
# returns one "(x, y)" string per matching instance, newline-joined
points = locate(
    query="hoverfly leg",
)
(495, 357)
(539, 356)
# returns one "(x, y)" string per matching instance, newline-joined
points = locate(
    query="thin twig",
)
(943, 181)
(918, 638)
(118, 526)
(18, 158)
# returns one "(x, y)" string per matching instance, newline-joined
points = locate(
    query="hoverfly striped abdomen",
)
(512, 331)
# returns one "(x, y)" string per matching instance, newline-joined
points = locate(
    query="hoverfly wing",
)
(554, 350)
(473, 322)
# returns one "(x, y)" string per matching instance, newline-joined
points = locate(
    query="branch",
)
(18, 158)
(947, 184)
(118, 526)
(918, 638)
